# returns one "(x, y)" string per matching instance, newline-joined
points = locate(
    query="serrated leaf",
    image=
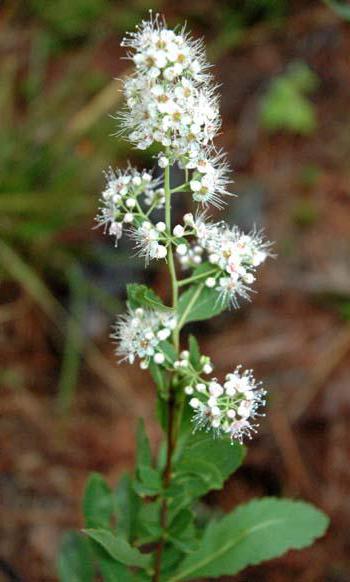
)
(118, 548)
(75, 559)
(199, 303)
(97, 502)
(258, 531)
(143, 296)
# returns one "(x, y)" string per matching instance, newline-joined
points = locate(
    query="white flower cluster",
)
(171, 101)
(234, 255)
(140, 332)
(150, 240)
(229, 408)
(119, 200)
(209, 178)
(180, 117)
(160, 52)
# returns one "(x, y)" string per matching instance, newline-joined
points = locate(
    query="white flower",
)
(161, 252)
(235, 255)
(169, 98)
(226, 410)
(178, 230)
(147, 239)
(139, 333)
(128, 218)
(210, 282)
(207, 368)
(155, 197)
(163, 162)
(210, 177)
(181, 249)
(119, 198)
(156, 49)
(161, 226)
(159, 358)
(163, 334)
(188, 219)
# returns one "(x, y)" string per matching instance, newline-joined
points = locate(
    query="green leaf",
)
(143, 449)
(162, 412)
(260, 530)
(143, 296)
(127, 506)
(204, 463)
(149, 482)
(195, 353)
(168, 350)
(118, 548)
(111, 570)
(182, 532)
(199, 303)
(97, 502)
(160, 378)
(149, 519)
(75, 559)
(170, 561)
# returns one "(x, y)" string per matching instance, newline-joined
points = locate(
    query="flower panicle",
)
(172, 103)
(139, 334)
(229, 408)
(119, 201)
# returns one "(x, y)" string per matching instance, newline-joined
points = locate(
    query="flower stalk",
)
(172, 102)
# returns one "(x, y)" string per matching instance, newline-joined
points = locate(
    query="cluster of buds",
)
(186, 369)
(119, 200)
(140, 333)
(229, 408)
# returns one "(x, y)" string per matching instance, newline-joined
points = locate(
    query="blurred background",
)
(66, 407)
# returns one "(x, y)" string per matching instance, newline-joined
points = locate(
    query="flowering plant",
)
(148, 529)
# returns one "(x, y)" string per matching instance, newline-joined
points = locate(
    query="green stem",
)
(173, 423)
(189, 280)
(189, 306)
(181, 188)
(171, 262)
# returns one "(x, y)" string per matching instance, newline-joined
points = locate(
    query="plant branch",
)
(189, 280)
